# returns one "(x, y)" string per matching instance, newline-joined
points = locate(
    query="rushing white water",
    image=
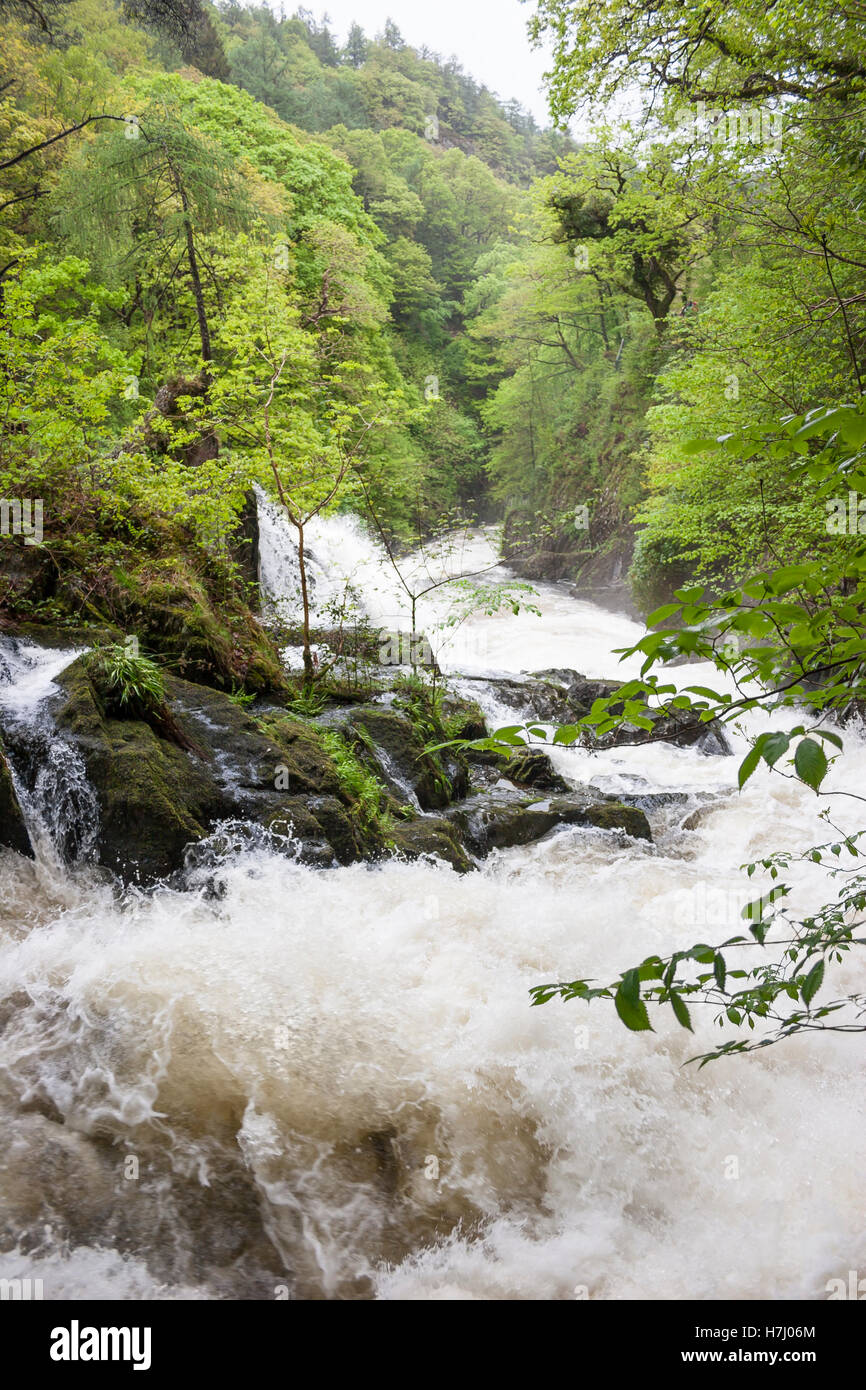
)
(50, 781)
(331, 1084)
(348, 573)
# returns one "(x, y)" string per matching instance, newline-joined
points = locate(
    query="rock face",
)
(156, 798)
(534, 769)
(397, 745)
(271, 775)
(13, 831)
(562, 696)
(502, 817)
(245, 540)
(598, 572)
(281, 778)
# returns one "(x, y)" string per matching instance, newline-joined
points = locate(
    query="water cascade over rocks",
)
(266, 1075)
(48, 775)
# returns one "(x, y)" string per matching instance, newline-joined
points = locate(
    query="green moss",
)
(226, 649)
(614, 815)
(435, 719)
(368, 796)
(154, 581)
(154, 800)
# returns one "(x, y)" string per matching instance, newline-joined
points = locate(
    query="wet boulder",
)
(157, 798)
(13, 830)
(503, 817)
(562, 696)
(431, 837)
(154, 798)
(534, 769)
(396, 745)
(463, 717)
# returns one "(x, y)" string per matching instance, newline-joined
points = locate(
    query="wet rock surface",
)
(559, 695)
(398, 748)
(504, 816)
(13, 830)
(156, 798)
(163, 806)
(271, 769)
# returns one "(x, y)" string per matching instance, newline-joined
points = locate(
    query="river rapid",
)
(283, 1081)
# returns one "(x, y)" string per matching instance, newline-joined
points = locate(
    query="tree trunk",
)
(203, 329)
(192, 261)
(412, 644)
(305, 599)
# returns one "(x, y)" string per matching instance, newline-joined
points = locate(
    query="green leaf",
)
(697, 446)
(748, 765)
(830, 737)
(813, 982)
(810, 762)
(629, 1004)
(682, 1014)
(666, 611)
(773, 746)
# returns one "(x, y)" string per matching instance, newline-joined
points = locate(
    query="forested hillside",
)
(177, 180)
(235, 252)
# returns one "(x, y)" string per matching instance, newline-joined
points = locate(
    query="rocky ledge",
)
(354, 780)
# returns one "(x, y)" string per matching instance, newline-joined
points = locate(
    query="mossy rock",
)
(307, 766)
(613, 815)
(227, 651)
(423, 836)
(154, 799)
(404, 767)
(212, 639)
(13, 829)
(534, 769)
(503, 819)
(323, 829)
(463, 718)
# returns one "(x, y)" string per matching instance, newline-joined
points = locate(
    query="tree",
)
(731, 54)
(355, 52)
(260, 66)
(294, 427)
(639, 208)
(142, 206)
(391, 36)
(392, 99)
(414, 286)
(321, 41)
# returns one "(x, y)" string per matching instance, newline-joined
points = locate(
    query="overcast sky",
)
(488, 36)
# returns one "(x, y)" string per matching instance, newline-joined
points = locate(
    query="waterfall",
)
(350, 575)
(346, 569)
(57, 801)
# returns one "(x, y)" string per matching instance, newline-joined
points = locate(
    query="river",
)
(281, 1081)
